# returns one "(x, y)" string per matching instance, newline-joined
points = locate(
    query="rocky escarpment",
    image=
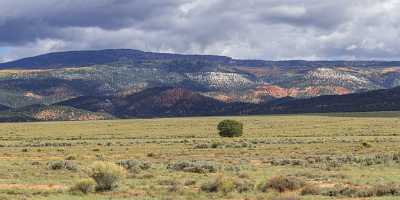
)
(57, 113)
(50, 113)
(328, 76)
(56, 77)
(221, 81)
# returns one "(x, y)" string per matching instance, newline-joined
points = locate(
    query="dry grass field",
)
(285, 157)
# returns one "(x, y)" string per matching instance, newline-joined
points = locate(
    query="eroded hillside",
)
(57, 77)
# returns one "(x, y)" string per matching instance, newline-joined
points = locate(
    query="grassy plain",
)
(356, 151)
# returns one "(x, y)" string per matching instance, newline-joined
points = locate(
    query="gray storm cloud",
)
(257, 29)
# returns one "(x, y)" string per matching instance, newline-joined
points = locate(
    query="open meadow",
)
(309, 157)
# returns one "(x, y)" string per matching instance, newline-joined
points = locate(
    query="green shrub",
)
(107, 175)
(227, 186)
(84, 186)
(230, 128)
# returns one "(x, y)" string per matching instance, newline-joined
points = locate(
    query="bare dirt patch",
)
(32, 187)
(130, 193)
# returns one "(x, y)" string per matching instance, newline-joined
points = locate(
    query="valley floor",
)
(345, 156)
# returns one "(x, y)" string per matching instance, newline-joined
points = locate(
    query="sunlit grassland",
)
(359, 124)
(26, 148)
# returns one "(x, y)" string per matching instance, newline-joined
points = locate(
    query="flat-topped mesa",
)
(131, 56)
(104, 57)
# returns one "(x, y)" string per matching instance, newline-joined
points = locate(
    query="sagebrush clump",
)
(386, 189)
(242, 186)
(219, 184)
(226, 185)
(134, 166)
(62, 164)
(84, 186)
(282, 184)
(106, 175)
(193, 166)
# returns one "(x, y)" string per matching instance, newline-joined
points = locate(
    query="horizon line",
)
(195, 54)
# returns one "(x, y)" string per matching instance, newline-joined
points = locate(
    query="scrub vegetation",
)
(307, 157)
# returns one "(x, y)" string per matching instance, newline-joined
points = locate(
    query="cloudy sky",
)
(256, 29)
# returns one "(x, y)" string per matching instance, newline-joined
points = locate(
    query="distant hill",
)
(131, 56)
(154, 102)
(23, 92)
(103, 57)
(168, 102)
(50, 113)
(178, 102)
(379, 100)
(126, 75)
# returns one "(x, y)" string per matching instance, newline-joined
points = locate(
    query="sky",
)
(246, 29)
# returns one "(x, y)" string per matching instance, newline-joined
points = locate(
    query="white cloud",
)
(258, 29)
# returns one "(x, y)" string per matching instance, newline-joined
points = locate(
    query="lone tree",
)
(230, 128)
